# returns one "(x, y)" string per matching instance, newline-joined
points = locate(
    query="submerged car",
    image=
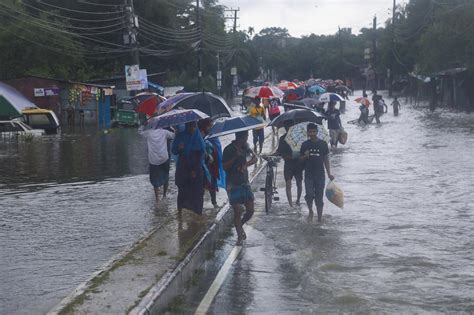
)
(16, 127)
(39, 118)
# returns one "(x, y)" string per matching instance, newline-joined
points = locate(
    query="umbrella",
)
(175, 117)
(265, 91)
(149, 105)
(297, 135)
(363, 100)
(233, 125)
(295, 116)
(143, 96)
(212, 105)
(330, 97)
(285, 85)
(316, 88)
(342, 88)
(12, 102)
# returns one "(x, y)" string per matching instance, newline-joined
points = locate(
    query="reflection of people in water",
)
(70, 115)
(81, 117)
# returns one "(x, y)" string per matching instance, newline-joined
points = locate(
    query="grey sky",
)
(303, 17)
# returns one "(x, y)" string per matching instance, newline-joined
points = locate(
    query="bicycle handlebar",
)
(274, 158)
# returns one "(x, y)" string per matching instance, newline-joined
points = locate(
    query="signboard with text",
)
(143, 79)
(42, 92)
(132, 78)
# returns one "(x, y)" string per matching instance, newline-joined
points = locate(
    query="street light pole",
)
(198, 24)
(390, 74)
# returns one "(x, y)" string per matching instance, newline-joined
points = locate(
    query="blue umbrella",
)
(330, 97)
(175, 117)
(233, 125)
(316, 88)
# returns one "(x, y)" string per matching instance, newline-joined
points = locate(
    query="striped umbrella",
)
(265, 91)
(285, 85)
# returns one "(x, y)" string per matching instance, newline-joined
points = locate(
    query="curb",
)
(173, 282)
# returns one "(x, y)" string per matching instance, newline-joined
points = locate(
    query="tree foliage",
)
(84, 39)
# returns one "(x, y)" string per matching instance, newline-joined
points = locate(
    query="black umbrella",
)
(296, 116)
(208, 103)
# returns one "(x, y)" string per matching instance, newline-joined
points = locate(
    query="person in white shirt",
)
(158, 157)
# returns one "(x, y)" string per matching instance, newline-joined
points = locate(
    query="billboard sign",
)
(132, 77)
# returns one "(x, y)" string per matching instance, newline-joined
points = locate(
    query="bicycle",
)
(270, 181)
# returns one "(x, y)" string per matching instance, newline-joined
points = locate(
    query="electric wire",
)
(79, 11)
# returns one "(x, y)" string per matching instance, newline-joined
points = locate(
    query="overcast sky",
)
(303, 17)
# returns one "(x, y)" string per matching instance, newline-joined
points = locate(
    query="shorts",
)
(334, 135)
(292, 169)
(240, 194)
(159, 174)
(314, 186)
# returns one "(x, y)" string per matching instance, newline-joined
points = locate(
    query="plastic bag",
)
(335, 194)
(342, 137)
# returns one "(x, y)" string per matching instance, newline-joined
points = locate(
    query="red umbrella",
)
(149, 105)
(363, 100)
(265, 91)
(285, 85)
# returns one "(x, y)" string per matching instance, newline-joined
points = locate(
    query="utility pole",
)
(390, 73)
(374, 55)
(233, 70)
(341, 47)
(130, 37)
(219, 74)
(198, 24)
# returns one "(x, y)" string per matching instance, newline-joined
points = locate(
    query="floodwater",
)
(68, 203)
(402, 244)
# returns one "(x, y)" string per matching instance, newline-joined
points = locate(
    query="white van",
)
(16, 127)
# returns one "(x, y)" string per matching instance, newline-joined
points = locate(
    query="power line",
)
(78, 11)
(71, 18)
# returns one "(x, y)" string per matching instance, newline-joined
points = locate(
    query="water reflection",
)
(72, 156)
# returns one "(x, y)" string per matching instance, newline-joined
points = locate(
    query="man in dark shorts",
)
(314, 153)
(158, 157)
(234, 161)
(292, 168)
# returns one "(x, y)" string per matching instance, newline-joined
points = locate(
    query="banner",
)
(132, 78)
(143, 79)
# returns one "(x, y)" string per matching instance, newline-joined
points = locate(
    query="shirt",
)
(234, 175)
(334, 119)
(314, 165)
(259, 113)
(273, 108)
(157, 141)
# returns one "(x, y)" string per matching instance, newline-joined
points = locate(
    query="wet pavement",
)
(402, 244)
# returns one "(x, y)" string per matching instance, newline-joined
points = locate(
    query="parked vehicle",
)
(16, 127)
(125, 114)
(39, 118)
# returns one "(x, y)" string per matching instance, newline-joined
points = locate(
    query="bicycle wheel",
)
(268, 192)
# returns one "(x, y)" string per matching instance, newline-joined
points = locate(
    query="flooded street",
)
(68, 204)
(402, 244)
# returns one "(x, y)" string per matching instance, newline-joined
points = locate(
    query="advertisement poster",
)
(143, 79)
(132, 78)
